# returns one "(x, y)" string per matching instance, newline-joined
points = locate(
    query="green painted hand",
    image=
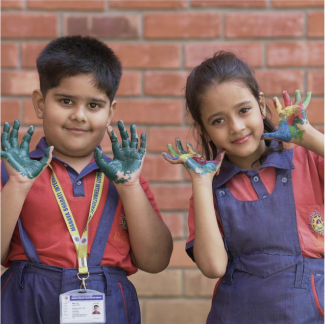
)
(194, 162)
(18, 157)
(127, 162)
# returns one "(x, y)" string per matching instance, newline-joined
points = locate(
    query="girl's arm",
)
(22, 173)
(294, 126)
(150, 239)
(209, 251)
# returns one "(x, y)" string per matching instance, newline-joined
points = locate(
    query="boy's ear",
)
(111, 113)
(199, 130)
(38, 103)
(262, 104)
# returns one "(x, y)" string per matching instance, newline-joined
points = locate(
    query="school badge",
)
(316, 223)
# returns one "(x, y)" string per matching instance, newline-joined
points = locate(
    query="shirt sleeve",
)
(191, 225)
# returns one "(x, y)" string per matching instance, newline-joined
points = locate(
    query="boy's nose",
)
(79, 114)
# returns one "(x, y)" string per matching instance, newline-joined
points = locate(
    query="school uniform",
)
(272, 224)
(42, 257)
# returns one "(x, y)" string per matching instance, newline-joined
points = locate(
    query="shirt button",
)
(79, 182)
(255, 179)
(221, 193)
(284, 179)
(264, 197)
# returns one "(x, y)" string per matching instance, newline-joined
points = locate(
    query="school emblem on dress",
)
(316, 223)
(123, 222)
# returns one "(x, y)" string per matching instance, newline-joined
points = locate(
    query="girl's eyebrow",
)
(235, 107)
(76, 97)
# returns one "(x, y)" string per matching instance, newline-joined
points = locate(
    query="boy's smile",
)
(75, 116)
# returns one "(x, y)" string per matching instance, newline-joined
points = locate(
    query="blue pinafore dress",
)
(267, 280)
(30, 290)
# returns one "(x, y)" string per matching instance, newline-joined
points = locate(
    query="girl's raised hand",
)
(293, 121)
(128, 160)
(195, 164)
(16, 158)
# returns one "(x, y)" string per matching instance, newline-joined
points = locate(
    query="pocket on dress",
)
(319, 304)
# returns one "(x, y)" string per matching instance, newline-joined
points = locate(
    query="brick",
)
(155, 169)
(164, 284)
(12, 4)
(320, 128)
(192, 311)
(274, 82)
(175, 223)
(182, 25)
(10, 110)
(94, 5)
(130, 84)
(230, 3)
(251, 53)
(315, 81)
(197, 285)
(315, 26)
(165, 196)
(159, 137)
(138, 4)
(297, 3)
(139, 55)
(19, 83)
(38, 134)
(315, 111)
(302, 53)
(9, 55)
(264, 25)
(30, 52)
(112, 26)
(165, 83)
(150, 112)
(179, 258)
(29, 25)
(30, 117)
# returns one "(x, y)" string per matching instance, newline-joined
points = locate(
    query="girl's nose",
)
(236, 125)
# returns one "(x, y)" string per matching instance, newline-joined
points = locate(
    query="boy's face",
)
(75, 116)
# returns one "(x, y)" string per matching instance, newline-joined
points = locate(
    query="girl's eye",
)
(94, 105)
(245, 110)
(217, 121)
(66, 101)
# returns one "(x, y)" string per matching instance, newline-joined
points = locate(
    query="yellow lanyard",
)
(81, 245)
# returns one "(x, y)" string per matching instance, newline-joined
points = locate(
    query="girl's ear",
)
(262, 104)
(199, 130)
(38, 103)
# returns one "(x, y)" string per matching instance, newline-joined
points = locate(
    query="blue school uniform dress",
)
(267, 280)
(30, 290)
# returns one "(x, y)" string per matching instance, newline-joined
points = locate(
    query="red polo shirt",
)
(43, 222)
(308, 188)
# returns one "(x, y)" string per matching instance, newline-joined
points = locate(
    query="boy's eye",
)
(66, 101)
(94, 105)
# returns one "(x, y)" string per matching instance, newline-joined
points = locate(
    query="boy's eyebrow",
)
(236, 106)
(76, 97)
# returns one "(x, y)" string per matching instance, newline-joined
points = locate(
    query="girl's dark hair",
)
(222, 67)
(72, 55)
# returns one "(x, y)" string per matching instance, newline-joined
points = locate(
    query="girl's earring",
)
(261, 101)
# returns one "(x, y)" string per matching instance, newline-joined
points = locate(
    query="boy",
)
(77, 227)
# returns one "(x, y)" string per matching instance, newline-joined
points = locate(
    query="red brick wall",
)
(159, 42)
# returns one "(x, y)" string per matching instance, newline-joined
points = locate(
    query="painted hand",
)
(17, 158)
(289, 118)
(194, 162)
(127, 162)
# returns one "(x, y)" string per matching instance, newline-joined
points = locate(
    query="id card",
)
(86, 308)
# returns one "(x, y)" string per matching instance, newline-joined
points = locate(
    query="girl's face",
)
(233, 121)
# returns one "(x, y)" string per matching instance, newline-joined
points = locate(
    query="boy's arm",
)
(150, 239)
(22, 173)
(294, 126)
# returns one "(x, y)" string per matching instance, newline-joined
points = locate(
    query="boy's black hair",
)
(72, 55)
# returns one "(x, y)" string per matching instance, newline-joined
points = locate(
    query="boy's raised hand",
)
(16, 158)
(128, 160)
(293, 120)
(195, 164)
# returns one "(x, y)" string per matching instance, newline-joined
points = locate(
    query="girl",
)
(258, 223)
